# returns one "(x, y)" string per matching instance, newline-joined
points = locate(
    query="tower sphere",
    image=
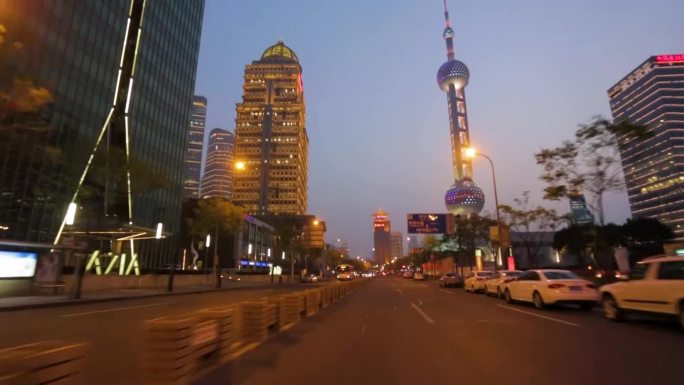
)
(453, 72)
(464, 197)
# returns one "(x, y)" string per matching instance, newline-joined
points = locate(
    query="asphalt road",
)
(396, 331)
(113, 329)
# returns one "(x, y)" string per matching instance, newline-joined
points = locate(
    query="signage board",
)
(427, 223)
(17, 264)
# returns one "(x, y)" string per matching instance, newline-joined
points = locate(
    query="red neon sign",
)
(669, 59)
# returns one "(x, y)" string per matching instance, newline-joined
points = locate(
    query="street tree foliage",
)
(215, 214)
(645, 236)
(589, 163)
(470, 232)
(529, 223)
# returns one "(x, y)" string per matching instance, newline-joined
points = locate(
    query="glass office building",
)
(69, 53)
(195, 145)
(217, 181)
(653, 95)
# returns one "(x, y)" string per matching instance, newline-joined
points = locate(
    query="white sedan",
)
(475, 281)
(547, 287)
(494, 284)
(655, 285)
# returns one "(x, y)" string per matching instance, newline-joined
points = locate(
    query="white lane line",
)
(422, 313)
(363, 329)
(111, 310)
(399, 291)
(420, 302)
(540, 316)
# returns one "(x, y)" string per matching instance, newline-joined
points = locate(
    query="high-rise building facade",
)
(217, 180)
(271, 143)
(464, 197)
(579, 212)
(73, 53)
(397, 244)
(653, 95)
(382, 242)
(195, 144)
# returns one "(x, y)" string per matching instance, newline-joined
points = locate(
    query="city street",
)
(113, 329)
(397, 331)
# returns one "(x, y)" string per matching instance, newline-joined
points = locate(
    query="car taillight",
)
(556, 286)
(591, 286)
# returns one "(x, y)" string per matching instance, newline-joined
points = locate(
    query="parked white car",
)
(475, 281)
(494, 284)
(655, 285)
(418, 276)
(547, 287)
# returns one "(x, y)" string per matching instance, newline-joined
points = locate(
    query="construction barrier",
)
(43, 363)
(228, 327)
(257, 318)
(168, 353)
(288, 311)
(312, 301)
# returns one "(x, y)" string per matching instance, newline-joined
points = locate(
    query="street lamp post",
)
(470, 153)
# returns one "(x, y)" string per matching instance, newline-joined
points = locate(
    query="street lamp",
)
(240, 165)
(471, 152)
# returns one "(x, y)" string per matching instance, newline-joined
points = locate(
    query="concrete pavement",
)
(396, 331)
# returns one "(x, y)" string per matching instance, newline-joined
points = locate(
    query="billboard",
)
(427, 223)
(17, 264)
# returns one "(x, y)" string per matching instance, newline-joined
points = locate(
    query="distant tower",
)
(194, 146)
(217, 181)
(464, 197)
(382, 237)
(579, 211)
(397, 241)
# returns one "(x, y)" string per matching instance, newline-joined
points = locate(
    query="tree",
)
(529, 223)
(212, 216)
(470, 232)
(590, 162)
(647, 230)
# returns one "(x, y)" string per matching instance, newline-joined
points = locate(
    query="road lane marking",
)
(400, 291)
(363, 329)
(446, 291)
(540, 316)
(422, 313)
(111, 310)
(420, 302)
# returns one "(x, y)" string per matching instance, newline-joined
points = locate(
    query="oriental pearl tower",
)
(464, 197)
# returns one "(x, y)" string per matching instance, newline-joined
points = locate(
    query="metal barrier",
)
(43, 363)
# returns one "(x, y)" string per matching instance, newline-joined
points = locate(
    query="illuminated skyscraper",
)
(217, 180)
(653, 95)
(580, 214)
(382, 242)
(397, 244)
(271, 144)
(464, 197)
(194, 145)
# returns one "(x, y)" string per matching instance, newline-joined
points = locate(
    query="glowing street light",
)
(70, 214)
(240, 165)
(158, 234)
(470, 153)
(207, 242)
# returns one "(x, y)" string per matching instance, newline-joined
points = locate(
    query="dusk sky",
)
(376, 119)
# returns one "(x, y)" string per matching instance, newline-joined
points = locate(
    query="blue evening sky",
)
(377, 122)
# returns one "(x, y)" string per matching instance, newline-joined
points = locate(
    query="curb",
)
(85, 301)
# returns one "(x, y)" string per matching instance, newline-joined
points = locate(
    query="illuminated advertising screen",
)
(17, 264)
(427, 223)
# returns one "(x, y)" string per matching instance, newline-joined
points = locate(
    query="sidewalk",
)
(43, 301)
